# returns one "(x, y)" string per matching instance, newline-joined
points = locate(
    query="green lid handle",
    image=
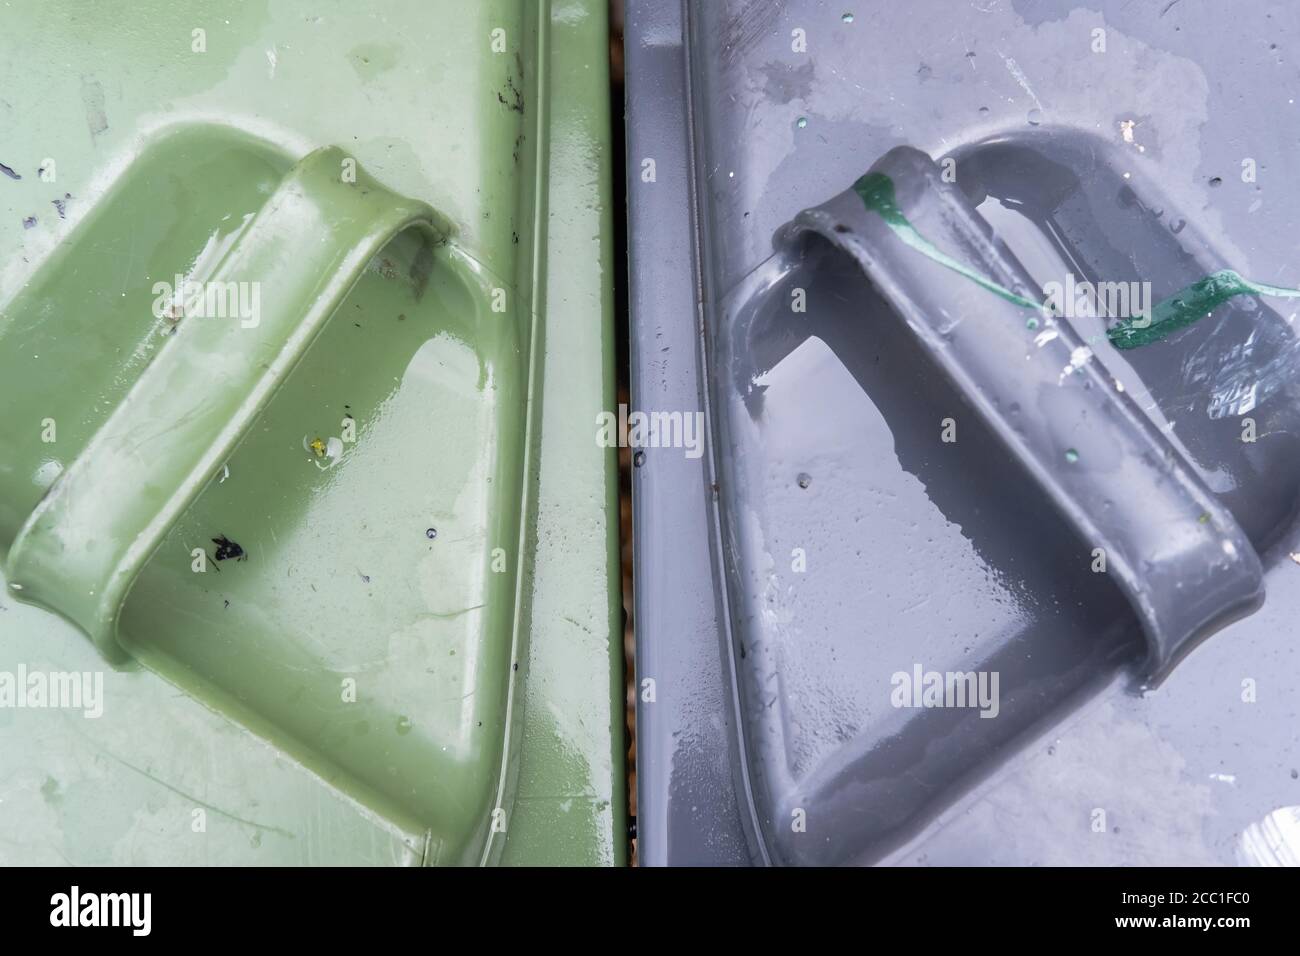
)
(82, 547)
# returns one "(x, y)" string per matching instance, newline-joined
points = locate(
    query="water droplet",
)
(801, 122)
(1177, 226)
(1071, 455)
(1216, 181)
(1031, 323)
(847, 18)
(403, 726)
(49, 470)
(431, 533)
(804, 479)
(1035, 116)
(638, 459)
(984, 111)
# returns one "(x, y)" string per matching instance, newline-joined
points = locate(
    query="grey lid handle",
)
(1177, 552)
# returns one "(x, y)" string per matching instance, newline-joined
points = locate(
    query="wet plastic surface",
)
(852, 543)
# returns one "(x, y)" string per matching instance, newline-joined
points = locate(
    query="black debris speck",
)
(228, 549)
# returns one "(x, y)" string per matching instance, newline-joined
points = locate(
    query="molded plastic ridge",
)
(83, 546)
(1178, 553)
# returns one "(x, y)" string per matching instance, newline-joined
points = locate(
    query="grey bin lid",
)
(1073, 525)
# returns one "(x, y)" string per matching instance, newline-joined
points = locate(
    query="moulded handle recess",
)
(82, 547)
(1177, 552)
